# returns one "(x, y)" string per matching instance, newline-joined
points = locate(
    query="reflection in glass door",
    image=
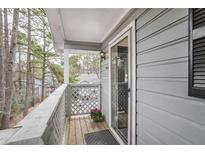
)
(119, 88)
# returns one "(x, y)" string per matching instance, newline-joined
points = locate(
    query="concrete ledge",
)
(33, 127)
(6, 134)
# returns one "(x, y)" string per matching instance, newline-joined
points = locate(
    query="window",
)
(197, 52)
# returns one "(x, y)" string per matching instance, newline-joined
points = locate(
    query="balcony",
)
(62, 118)
(144, 89)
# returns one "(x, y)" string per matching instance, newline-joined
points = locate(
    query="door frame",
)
(128, 31)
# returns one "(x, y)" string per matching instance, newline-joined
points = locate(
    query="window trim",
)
(192, 91)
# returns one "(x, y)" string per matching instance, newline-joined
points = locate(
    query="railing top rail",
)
(35, 123)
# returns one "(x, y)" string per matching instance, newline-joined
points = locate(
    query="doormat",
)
(103, 137)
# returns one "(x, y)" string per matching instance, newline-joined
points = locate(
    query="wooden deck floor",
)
(77, 126)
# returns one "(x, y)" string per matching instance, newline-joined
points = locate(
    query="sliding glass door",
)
(120, 87)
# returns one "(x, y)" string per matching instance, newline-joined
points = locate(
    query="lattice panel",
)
(123, 97)
(84, 98)
(120, 95)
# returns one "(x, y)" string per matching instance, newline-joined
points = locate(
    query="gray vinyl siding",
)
(165, 112)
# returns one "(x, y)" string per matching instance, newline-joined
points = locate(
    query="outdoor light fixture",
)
(102, 55)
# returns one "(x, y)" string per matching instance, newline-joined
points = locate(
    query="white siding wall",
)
(165, 112)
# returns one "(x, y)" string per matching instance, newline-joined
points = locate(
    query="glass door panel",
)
(119, 88)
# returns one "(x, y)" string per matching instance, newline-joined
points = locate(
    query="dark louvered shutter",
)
(197, 52)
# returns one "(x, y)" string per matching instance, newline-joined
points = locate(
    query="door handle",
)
(128, 90)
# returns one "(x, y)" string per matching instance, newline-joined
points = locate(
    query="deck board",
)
(79, 135)
(80, 125)
(93, 125)
(84, 128)
(100, 126)
(89, 126)
(105, 125)
(72, 133)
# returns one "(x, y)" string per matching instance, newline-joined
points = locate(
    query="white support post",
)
(66, 66)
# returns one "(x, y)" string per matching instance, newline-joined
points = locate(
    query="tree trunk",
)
(43, 77)
(2, 94)
(33, 86)
(9, 67)
(6, 51)
(44, 62)
(19, 68)
(28, 73)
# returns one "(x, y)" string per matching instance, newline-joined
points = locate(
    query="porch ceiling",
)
(91, 25)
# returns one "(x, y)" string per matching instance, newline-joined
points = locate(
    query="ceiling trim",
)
(77, 45)
(62, 23)
(55, 24)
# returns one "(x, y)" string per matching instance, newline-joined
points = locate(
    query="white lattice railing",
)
(83, 98)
